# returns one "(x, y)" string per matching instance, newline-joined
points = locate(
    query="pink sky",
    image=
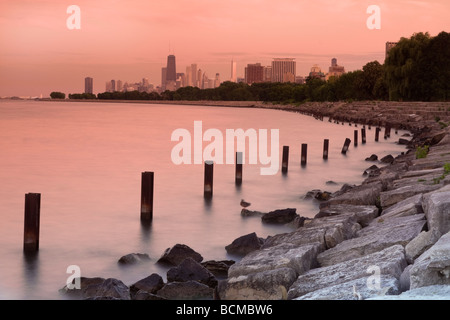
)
(130, 39)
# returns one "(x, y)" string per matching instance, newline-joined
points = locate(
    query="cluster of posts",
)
(33, 200)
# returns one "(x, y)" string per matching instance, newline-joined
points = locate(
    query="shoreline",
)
(385, 219)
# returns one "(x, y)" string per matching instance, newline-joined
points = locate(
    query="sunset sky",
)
(130, 39)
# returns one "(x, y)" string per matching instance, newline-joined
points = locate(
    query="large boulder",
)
(287, 255)
(280, 216)
(379, 235)
(189, 290)
(245, 244)
(391, 197)
(437, 209)
(134, 258)
(150, 284)
(98, 289)
(366, 194)
(177, 254)
(189, 270)
(433, 266)
(390, 261)
(421, 243)
(363, 214)
(406, 207)
(218, 268)
(266, 285)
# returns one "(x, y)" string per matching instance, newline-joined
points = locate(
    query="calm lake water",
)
(86, 161)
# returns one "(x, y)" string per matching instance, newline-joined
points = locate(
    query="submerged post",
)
(285, 160)
(326, 143)
(208, 187)
(147, 183)
(387, 132)
(304, 155)
(31, 222)
(377, 134)
(363, 135)
(355, 134)
(239, 160)
(346, 145)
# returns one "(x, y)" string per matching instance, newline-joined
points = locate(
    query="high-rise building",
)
(171, 73)
(254, 73)
(335, 70)
(88, 85)
(217, 81)
(199, 78)
(316, 72)
(267, 74)
(389, 46)
(283, 70)
(233, 71)
(113, 85)
(119, 85)
(194, 74)
(188, 76)
(163, 78)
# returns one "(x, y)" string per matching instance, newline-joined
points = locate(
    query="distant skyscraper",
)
(389, 46)
(199, 78)
(217, 81)
(254, 73)
(171, 74)
(283, 70)
(88, 85)
(335, 70)
(113, 85)
(119, 85)
(163, 78)
(194, 74)
(233, 71)
(188, 76)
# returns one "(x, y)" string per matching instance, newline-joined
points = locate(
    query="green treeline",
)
(417, 69)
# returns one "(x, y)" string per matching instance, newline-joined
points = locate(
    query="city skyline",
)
(131, 40)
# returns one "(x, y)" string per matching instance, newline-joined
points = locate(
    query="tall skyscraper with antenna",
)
(171, 70)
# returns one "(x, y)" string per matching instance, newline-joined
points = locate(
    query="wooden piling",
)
(32, 222)
(326, 143)
(208, 186)
(239, 161)
(355, 136)
(387, 132)
(147, 186)
(377, 134)
(363, 135)
(346, 145)
(285, 160)
(304, 155)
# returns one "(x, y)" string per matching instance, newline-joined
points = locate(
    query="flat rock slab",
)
(406, 207)
(390, 261)
(362, 214)
(389, 198)
(300, 259)
(189, 290)
(433, 266)
(435, 292)
(267, 285)
(366, 194)
(372, 239)
(357, 289)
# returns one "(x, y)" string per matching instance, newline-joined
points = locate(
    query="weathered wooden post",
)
(355, 134)
(326, 143)
(387, 131)
(239, 161)
(208, 186)
(147, 184)
(31, 222)
(363, 135)
(346, 145)
(285, 160)
(304, 155)
(377, 134)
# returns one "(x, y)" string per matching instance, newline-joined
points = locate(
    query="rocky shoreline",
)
(388, 238)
